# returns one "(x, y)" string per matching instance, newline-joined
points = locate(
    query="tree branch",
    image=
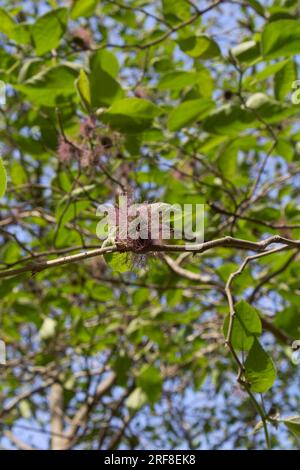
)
(225, 242)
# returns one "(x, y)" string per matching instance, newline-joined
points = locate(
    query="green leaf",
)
(106, 61)
(121, 365)
(281, 38)
(131, 115)
(48, 329)
(25, 409)
(187, 112)
(227, 162)
(83, 88)
(66, 210)
(246, 326)
(258, 101)
(285, 149)
(284, 79)
(21, 34)
(150, 381)
(103, 86)
(269, 109)
(119, 262)
(248, 51)
(199, 46)
(48, 30)
(3, 179)
(47, 86)
(83, 8)
(267, 72)
(175, 11)
(289, 321)
(228, 119)
(7, 23)
(137, 399)
(260, 371)
(205, 86)
(293, 424)
(178, 80)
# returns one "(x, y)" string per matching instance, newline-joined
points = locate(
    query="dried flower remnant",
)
(90, 157)
(106, 142)
(82, 39)
(87, 158)
(66, 151)
(135, 232)
(126, 236)
(140, 93)
(87, 127)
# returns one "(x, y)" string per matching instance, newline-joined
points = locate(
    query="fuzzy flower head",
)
(82, 38)
(65, 151)
(86, 158)
(137, 228)
(90, 157)
(87, 127)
